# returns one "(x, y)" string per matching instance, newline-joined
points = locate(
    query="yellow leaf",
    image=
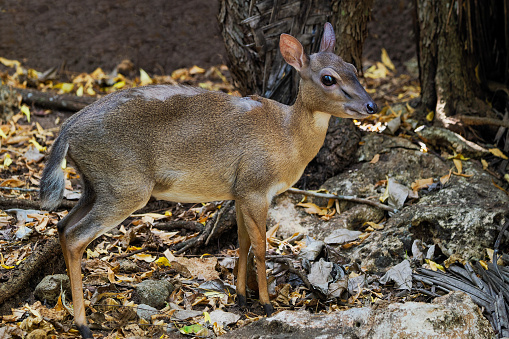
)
(10, 63)
(483, 264)
(409, 108)
(92, 254)
(387, 61)
(434, 266)
(374, 225)
(37, 145)
(2, 263)
(196, 70)
(163, 261)
(2, 134)
(459, 157)
(98, 74)
(311, 208)
(121, 84)
(7, 160)
(430, 116)
(498, 153)
(145, 79)
(26, 111)
(484, 164)
(458, 164)
(79, 91)
(90, 91)
(207, 317)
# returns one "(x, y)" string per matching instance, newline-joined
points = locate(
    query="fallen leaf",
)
(145, 257)
(498, 153)
(484, 164)
(421, 183)
(386, 60)
(401, 275)
(311, 208)
(445, 179)
(342, 235)
(375, 159)
(459, 165)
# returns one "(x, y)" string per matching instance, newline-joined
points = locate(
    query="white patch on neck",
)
(246, 104)
(163, 92)
(321, 119)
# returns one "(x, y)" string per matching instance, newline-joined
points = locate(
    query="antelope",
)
(191, 145)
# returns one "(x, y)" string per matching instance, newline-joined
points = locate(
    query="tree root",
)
(29, 268)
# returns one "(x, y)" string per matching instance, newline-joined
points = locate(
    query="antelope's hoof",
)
(85, 332)
(268, 309)
(242, 300)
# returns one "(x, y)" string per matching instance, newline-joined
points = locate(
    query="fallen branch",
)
(343, 197)
(471, 120)
(52, 100)
(6, 203)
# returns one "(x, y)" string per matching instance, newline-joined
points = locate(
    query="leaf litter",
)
(300, 273)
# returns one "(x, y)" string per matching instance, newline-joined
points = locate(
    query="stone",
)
(451, 316)
(154, 292)
(146, 312)
(50, 287)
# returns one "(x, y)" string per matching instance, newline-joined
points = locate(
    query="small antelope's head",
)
(328, 84)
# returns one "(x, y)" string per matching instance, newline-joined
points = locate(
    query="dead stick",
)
(470, 120)
(343, 197)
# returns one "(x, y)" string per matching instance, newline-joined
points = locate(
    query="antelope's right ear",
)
(328, 39)
(293, 52)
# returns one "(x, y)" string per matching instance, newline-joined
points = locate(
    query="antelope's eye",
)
(328, 80)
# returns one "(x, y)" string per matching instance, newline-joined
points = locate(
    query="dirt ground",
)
(156, 35)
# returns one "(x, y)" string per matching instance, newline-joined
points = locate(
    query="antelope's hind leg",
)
(94, 215)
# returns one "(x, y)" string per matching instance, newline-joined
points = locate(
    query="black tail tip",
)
(371, 108)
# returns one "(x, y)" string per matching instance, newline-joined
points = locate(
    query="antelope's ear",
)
(293, 52)
(328, 39)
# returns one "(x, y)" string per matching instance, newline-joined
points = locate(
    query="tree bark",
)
(350, 21)
(454, 41)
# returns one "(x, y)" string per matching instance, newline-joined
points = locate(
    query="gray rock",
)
(146, 312)
(464, 217)
(450, 316)
(49, 288)
(128, 266)
(154, 292)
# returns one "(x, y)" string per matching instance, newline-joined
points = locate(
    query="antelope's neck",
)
(309, 129)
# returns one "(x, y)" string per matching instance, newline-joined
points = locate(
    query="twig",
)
(6, 202)
(471, 120)
(219, 215)
(19, 189)
(343, 197)
(125, 255)
(292, 269)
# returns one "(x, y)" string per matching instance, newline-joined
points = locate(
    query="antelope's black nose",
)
(371, 108)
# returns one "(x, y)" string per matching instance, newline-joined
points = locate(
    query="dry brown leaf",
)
(421, 183)
(375, 159)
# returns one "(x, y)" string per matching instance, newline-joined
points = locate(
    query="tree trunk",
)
(350, 20)
(459, 50)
